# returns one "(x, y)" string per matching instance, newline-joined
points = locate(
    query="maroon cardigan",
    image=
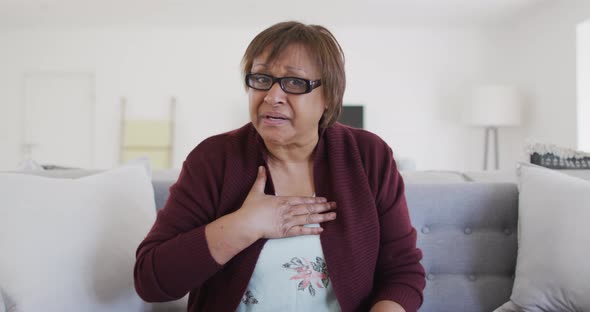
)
(370, 249)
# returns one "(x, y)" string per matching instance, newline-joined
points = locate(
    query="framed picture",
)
(352, 115)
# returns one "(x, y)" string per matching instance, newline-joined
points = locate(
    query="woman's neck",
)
(291, 168)
(292, 153)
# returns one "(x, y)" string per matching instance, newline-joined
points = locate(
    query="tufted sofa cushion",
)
(467, 233)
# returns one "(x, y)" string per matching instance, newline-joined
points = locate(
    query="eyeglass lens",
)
(288, 84)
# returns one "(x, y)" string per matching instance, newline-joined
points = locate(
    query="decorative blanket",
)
(555, 157)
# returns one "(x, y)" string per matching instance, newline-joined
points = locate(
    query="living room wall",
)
(583, 66)
(412, 81)
(538, 53)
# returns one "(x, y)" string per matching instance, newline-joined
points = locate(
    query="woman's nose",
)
(275, 95)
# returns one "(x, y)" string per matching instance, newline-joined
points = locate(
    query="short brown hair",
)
(320, 43)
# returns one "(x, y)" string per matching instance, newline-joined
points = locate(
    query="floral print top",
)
(290, 275)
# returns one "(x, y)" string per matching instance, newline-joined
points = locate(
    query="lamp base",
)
(486, 144)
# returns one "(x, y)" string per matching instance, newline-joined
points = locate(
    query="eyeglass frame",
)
(310, 85)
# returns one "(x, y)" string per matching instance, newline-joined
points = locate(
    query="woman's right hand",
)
(283, 216)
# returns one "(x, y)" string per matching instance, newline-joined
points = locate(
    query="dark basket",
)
(551, 161)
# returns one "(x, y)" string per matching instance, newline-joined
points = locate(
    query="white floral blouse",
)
(290, 275)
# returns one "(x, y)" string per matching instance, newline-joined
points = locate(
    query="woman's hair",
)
(320, 44)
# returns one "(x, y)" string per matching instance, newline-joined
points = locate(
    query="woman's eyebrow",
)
(259, 65)
(290, 69)
(295, 69)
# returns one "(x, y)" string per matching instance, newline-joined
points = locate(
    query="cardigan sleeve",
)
(399, 275)
(174, 257)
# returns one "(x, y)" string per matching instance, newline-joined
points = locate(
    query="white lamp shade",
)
(494, 106)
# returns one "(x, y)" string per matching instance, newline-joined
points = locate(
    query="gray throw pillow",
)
(552, 271)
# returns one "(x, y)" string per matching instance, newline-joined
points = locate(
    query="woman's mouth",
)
(274, 119)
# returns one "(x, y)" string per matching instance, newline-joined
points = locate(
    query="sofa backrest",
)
(467, 233)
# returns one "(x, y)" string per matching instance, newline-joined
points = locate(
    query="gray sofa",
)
(466, 225)
(467, 232)
(466, 229)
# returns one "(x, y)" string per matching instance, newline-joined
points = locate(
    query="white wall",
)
(148, 66)
(583, 58)
(411, 81)
(539, 55)
(11, 90)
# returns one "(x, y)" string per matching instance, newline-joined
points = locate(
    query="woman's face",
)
(281, 118)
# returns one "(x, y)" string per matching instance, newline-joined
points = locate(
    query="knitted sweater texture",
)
(370, 249)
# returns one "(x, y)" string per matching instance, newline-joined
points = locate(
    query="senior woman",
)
(293, 211)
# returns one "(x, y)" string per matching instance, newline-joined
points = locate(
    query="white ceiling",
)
(82, 13)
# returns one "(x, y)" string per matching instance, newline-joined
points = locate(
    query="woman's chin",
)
(272, 135)
(271, 139)
(266, 128)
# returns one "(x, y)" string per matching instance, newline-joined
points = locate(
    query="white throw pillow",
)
(69, 244)
(552, 270)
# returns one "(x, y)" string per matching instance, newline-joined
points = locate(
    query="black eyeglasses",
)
(291, 85)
